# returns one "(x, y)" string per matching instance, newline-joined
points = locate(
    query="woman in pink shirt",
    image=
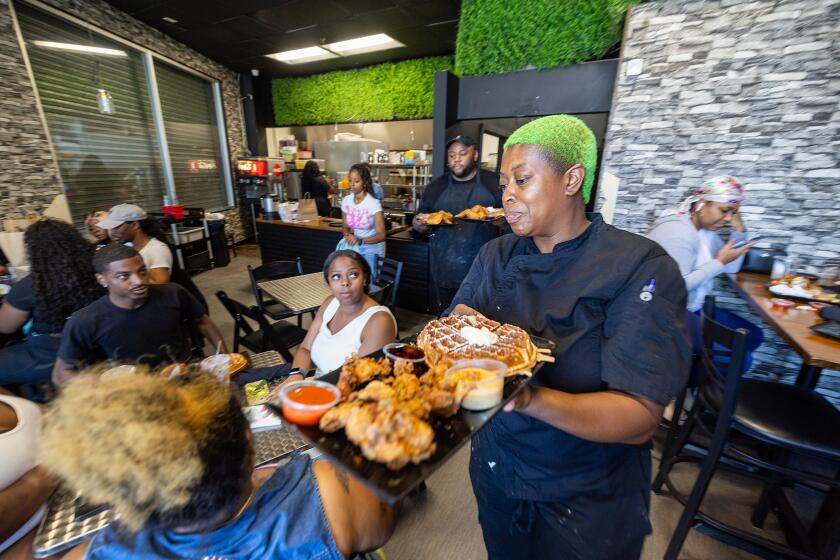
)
(364, 223)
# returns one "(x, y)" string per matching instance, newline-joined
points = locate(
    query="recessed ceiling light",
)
(371, 43)
(79, 48)
(301, 56)
(168, 19)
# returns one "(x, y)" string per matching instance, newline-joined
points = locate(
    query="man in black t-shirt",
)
(135, 322)
(453, 248)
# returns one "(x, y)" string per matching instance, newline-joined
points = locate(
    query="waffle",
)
(443, 344)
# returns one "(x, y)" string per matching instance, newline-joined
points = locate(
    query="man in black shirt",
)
(135, 322)
(453, 248)
(565, 472)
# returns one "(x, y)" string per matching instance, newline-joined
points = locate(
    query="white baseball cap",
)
(120, 214)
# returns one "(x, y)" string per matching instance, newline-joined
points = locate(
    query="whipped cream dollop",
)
(481, 337)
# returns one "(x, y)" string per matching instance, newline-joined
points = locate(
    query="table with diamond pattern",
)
(68, 521)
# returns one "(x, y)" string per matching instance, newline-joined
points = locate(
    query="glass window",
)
(105, 158)
(192, 133)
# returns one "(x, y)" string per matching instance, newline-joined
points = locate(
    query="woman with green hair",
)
(565, 473)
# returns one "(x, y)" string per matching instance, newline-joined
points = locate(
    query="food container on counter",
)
(484, 381)
(304, 402)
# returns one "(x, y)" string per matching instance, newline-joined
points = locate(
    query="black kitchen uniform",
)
(319, 191)
(154, 333)
(614, 304)
(453, 248)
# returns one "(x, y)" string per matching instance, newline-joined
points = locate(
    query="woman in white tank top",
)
(349, 321)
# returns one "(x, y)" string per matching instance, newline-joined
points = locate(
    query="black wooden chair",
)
(781, 420)
(388, 279)
(274, 271)
(280, 336)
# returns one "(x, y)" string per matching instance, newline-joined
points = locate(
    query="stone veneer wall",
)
(747, 88)
(28, 174)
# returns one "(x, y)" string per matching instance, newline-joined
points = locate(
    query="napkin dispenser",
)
(760, 259)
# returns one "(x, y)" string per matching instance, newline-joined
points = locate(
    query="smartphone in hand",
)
(746, 241)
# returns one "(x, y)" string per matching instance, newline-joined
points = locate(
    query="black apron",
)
(453, 248)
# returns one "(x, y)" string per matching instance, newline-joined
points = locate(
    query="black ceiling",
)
(239, 33)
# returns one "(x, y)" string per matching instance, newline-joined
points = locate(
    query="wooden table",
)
(793, 325)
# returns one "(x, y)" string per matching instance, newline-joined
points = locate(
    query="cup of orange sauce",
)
(304, 402)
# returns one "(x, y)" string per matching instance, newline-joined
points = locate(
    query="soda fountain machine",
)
(260, 187)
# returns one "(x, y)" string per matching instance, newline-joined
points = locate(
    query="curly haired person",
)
(175, 459)
(61, 282)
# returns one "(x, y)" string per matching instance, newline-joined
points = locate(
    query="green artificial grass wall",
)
(401, 90)
(496, 36)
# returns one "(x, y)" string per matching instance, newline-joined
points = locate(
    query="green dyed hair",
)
(566, 140)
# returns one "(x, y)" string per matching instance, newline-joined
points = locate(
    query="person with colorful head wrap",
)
(689, 233)
(565, 471)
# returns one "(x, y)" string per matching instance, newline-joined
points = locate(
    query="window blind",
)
(104, 159)
(192, 134)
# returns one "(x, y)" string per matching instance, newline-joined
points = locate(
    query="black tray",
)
(485, 221)
(450, 434)
(830, 329)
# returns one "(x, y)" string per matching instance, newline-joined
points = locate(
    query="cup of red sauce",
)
(404, 351)
(304, 402)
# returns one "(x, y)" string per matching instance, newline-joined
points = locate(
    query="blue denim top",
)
(285, 519)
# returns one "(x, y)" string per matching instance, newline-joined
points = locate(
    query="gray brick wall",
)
(28, 175)
(742, 88)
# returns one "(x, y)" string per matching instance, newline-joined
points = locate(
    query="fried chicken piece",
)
(438, 218)
(390, 435)
(402, 367)
(375, 391)
(443, 403)
(336, 417)
(477, 212)
(357, 371)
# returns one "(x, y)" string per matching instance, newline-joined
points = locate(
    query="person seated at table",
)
(178, 469)
(364, 222)
(317, 185)
(129, 224)
(24, 485)
(60, 282)
(565, 472)
(135, 322)
(689, 234)
(349, 321)
(98, 236)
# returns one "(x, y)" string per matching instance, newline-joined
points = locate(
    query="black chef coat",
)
(614, 303)
(453, 248)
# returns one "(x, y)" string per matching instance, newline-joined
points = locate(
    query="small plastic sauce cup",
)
(404, 351)
(487, 390)
(304, 402)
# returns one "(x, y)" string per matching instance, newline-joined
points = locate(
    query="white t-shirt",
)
(329, 350)
(360, 217)
(156, 255)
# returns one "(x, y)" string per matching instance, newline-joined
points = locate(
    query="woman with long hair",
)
(364, 222)
(318, 186)
(61, 282)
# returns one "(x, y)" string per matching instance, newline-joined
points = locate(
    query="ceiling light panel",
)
(302, 56)
(360, 45)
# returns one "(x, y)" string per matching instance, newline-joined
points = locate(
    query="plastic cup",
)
(218, 366)
(486, 392)
(320, 397)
